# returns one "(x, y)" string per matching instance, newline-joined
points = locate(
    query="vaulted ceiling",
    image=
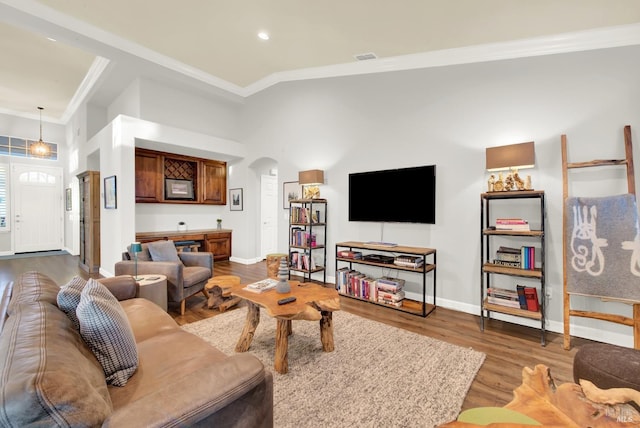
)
(100, 46)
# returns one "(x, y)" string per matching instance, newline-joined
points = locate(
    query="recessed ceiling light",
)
(263, 35)
(51, 39)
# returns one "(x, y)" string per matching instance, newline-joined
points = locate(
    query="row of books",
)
(522, 258)
(522, 298)
(298, 260)
(512, 224)
(385, 290)
(302, 238)
(303, 215)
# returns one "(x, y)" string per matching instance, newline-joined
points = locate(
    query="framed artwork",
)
(290, 190)
(110, 193)
(178, 189)
(67, 199)
(235, 196)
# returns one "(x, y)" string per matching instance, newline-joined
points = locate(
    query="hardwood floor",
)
(508, 347)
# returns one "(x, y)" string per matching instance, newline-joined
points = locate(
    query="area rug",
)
(378, 375)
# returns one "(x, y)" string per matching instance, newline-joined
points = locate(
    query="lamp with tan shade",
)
(510, 158)
(311, 181)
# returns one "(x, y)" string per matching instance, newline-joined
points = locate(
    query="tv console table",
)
(410, 306)
(216, 241)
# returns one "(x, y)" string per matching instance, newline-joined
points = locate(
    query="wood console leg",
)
(253, 318)
(326, 331)
(280, 360)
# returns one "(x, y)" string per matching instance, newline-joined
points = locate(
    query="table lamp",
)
(136, 248)
(310, 181)
(510, 158)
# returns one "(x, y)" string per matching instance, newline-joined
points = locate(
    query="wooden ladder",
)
(568, 311)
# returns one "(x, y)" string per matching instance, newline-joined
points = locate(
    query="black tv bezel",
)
(418, 214)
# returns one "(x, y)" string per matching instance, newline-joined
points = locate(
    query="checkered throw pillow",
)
(105, 328)
(69, 298)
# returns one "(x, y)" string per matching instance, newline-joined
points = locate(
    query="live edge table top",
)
(311, 299)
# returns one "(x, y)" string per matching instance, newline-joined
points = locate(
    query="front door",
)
(268, 215)
(38, 214)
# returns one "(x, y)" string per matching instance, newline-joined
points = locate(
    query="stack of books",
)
(262, 286)
(408, 261)
(507, 256)
(503, 297)
(347, 254)
(356, 284)
(512, 224)
(389, 291)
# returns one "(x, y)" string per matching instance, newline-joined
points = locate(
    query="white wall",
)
(447, 116)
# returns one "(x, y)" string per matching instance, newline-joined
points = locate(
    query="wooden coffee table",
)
(314, 303)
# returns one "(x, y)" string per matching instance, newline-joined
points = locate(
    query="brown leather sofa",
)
(50, 377)
(187, 273)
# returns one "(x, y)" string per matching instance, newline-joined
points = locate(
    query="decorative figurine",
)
(498, 186)
(492, 181)
(283, 275)
(527, 183)
(518, 181)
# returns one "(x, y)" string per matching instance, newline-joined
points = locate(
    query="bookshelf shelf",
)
(525, 238)
(415, 307)
(307, 237)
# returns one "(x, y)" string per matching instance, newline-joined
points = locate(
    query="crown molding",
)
(608, 37)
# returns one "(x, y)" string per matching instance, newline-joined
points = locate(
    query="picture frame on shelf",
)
(235, 196)
(290, 190)
(110, 193)
(178, 189)
(68, 202)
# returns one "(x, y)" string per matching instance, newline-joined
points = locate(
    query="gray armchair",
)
(187, 272)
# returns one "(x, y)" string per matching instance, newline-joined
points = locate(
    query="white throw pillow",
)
(105, 328)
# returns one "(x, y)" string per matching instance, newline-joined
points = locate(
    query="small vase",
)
(283, 276)
(182, 227)
(219, 225)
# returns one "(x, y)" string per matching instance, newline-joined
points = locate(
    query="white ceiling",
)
(212, 45)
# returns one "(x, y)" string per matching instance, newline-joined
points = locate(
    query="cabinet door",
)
(148, 177)
(214, 182)
(220, 245)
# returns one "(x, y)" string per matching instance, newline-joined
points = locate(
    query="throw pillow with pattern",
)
(105, 328)
(69, 298)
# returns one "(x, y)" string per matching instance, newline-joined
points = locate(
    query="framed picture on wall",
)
(235, 196)
(110, 193)
(290, 190)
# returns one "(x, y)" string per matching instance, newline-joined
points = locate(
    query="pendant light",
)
(40, 149)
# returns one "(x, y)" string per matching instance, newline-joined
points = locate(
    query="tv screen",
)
(403, 195)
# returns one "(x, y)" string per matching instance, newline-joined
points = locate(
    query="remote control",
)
(287, 300)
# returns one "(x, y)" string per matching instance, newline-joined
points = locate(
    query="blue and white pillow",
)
(105, 328)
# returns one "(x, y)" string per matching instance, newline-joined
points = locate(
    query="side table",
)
(153, 287)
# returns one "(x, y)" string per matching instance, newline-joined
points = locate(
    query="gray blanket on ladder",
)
(603, 247)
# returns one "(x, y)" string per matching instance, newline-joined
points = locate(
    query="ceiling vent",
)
(365, 56)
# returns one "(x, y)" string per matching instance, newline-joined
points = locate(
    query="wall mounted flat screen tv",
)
(403, 195)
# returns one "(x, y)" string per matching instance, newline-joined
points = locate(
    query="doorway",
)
(268, 215)
(37, 196)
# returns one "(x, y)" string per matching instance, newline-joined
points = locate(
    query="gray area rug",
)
(378, 375)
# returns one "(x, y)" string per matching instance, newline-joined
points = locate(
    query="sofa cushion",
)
(48, 375)
(143, 256)
(163, 251)
(69, 297)
(191, 275)
(34, 287)
(105, 328)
